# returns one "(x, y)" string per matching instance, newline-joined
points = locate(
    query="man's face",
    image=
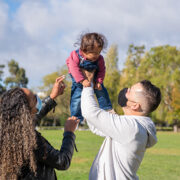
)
(131, 94)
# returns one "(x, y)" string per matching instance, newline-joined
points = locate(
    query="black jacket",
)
(47, 157)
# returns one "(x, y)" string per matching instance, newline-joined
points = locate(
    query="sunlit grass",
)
(162, 162)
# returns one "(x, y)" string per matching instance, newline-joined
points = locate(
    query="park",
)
(160, 162)
(139, 42)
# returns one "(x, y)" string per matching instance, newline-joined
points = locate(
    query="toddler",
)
(88, 57)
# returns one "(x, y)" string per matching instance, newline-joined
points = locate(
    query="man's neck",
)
(132, 113)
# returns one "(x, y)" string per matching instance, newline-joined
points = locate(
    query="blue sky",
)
(40, 34)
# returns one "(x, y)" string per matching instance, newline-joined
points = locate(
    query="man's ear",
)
(136, 107)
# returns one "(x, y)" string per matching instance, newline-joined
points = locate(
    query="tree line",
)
(160, 65)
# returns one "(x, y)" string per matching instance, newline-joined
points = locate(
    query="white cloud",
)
(3, 18)
(35, 19)
(41, 33)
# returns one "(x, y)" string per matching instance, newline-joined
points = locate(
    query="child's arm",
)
(101, 70)
(74, 69)
(100, 74)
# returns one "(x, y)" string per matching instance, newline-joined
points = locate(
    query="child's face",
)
(93, 55)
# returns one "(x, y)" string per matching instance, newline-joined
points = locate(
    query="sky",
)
(40, 34)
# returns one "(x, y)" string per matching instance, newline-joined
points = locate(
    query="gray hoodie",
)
(126, 139)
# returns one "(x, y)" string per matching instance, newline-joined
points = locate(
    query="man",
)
(126, 136)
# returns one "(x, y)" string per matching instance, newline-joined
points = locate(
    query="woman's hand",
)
(58, 87)
(71, 124)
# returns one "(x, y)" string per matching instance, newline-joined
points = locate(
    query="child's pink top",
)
(73, 67)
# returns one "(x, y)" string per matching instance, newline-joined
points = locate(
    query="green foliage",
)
(1, 71)
(18, 75)
(112, 77)
(130, 73)
(161, 65)
(62, 110)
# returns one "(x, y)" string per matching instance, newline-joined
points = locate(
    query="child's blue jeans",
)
(75, 104)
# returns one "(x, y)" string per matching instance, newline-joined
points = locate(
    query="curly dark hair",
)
(88, 41)
(17, 134)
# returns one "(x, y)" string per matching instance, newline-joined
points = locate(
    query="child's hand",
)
(86, 83)
(98, 86)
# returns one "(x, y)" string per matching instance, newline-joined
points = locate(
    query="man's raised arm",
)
(103, 121)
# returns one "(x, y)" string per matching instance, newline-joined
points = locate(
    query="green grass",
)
(162, 162)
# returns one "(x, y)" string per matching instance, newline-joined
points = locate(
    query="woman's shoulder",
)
(41, 141)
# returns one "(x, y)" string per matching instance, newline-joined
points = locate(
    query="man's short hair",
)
(152, 95)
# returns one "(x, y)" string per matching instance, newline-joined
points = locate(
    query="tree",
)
(162, 66)
(18, 75)
(62, 111)
(130, 73)
(2, 88)
(112, 77)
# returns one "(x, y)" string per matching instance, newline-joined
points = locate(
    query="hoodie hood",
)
(147, 123)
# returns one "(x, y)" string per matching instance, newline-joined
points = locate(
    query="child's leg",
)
(75, 103)
(103, 98)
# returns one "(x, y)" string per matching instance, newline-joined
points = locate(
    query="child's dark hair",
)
(88, 41)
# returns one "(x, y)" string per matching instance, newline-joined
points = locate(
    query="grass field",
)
(162, 162)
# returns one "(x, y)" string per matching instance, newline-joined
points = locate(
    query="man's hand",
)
(98, 86)
(71, 124)
(86, 83)
(58, 87)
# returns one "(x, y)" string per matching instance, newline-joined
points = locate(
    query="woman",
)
(24, 153)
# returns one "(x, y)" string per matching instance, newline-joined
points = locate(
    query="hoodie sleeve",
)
(95, 130)
(151, 131)
(111, 125)
(73, 66)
